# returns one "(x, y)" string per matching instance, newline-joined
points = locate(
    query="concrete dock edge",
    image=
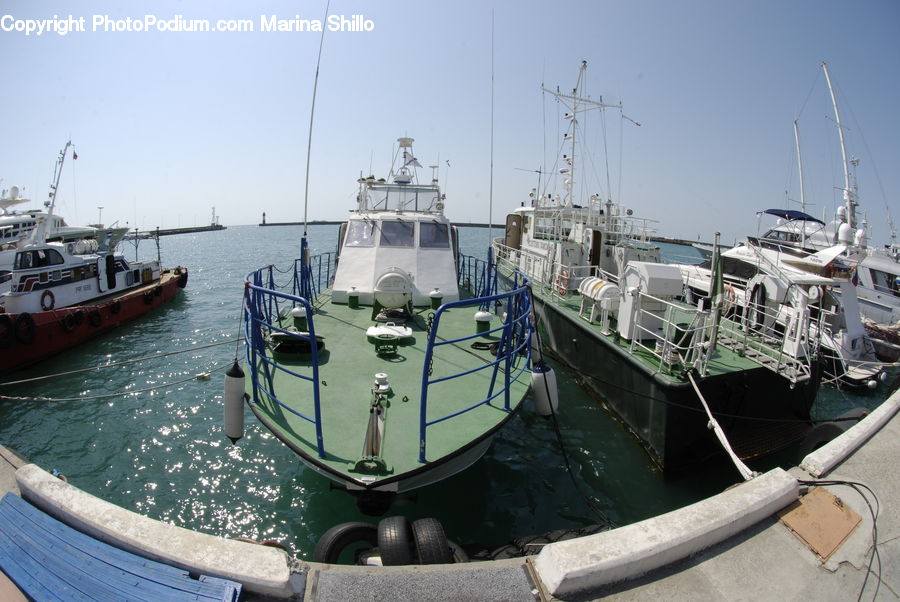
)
(261, 570)
(824, 459)
(584, 564)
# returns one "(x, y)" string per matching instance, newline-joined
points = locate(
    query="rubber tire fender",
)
(115, 307)
(818, 436)
(395, 541)
(431, 543)
(95, 318)
(334, 540)
(6, 331)
(68, 322)
(24, 328)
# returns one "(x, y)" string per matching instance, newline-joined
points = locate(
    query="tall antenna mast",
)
(312, 112)
(849, 193)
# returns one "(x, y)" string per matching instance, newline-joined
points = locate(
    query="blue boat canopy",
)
(792, 215)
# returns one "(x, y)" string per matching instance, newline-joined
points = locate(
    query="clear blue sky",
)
(167, 125)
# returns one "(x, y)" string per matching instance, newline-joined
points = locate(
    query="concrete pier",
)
(732, 546)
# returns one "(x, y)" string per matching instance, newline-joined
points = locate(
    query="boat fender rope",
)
(24, 328)
(48, 300)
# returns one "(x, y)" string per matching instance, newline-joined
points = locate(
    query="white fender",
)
(234, 402)
(544, 390)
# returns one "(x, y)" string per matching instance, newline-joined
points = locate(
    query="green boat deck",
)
(737, 349)
(348, 363)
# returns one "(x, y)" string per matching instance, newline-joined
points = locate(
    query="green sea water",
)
(148, 435)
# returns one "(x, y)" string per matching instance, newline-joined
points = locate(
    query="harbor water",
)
(147, 434)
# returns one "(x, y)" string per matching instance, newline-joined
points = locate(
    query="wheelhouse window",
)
(434, 236)
(885, 282)
(397, 234)
(360, 234)
(37, 259)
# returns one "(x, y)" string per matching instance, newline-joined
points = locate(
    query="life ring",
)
(395, 543)
(24, 328)
(48, 300)
(68, 322)
(6, 331)
(95, 318)
(562, 281)
(431, 543)
(334, 540)
(115, 307)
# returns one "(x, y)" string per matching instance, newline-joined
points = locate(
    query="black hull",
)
(760, 411)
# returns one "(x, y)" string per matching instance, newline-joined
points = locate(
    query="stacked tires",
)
(396, 541)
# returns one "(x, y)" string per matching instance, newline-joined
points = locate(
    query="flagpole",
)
(717, 292)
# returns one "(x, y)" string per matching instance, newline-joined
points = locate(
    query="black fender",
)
(431, 543)
(334, 540)
(25, 328)
(395, 542)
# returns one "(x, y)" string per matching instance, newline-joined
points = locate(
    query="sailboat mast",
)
(849, 199)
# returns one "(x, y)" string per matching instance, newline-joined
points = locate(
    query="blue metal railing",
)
(264, 315)
(259, 300)
(513, 354)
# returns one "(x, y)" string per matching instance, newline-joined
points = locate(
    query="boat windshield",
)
(360, 234)
(434, 236)
(397, 234)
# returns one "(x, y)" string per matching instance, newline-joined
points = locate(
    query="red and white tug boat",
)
(63, 294)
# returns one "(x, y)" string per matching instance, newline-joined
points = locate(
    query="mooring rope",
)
(114, 364)
(118, 394)
(720, 434)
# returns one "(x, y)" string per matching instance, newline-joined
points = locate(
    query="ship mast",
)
(40, 232)
(849, 193)
(577, 105)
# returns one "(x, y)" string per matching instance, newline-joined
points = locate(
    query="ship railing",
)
(673, 333)
(513, 358)
(679, 336)
(477, 276)
(780, 339)
(261, 320)
(536, 267)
